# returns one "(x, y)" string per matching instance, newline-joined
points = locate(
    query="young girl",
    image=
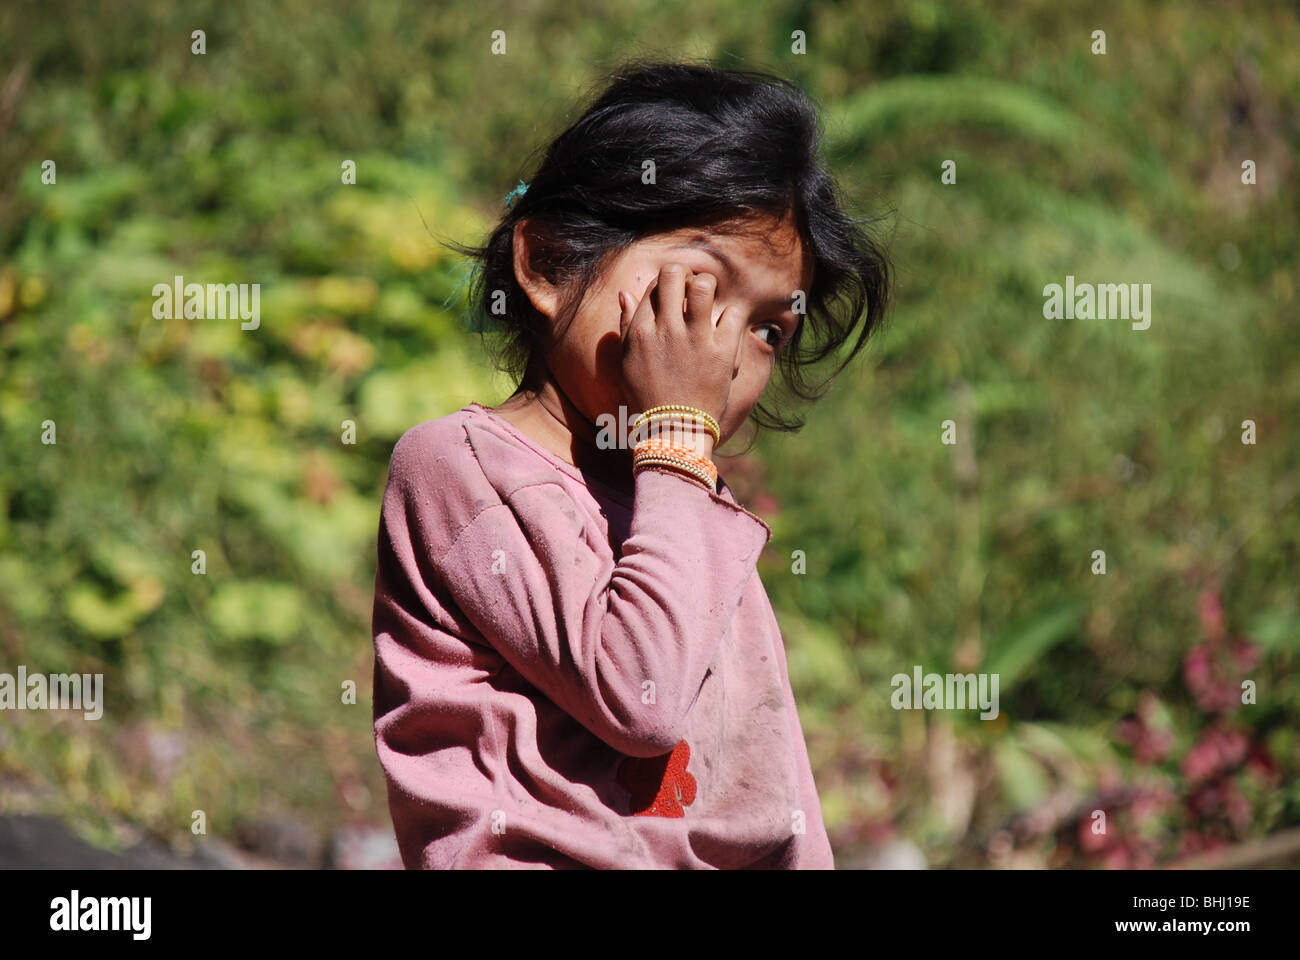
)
(576, 664)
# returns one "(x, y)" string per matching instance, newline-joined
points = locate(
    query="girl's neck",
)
(544, 413)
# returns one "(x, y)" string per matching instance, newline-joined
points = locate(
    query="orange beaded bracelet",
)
(678, 456)
(678, 411)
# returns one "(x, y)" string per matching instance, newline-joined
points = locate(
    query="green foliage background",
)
(181, 435)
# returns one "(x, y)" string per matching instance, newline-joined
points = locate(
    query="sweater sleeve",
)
(815, 852)
(625, 653)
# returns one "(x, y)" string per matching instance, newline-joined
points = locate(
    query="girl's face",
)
(758, 265)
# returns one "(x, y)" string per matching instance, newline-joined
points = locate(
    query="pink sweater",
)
(566, 678)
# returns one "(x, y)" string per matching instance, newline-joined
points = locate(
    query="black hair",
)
(727, 145)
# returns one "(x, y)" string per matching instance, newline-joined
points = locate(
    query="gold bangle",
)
(684, 474)
(683, 418)
(707, 476)
(680, 408)
(677, 411)
(674, 463)
(697, 414)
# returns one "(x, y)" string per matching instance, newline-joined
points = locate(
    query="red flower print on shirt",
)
(659, 785)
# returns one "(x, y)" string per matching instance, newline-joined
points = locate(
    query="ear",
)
(530, 246)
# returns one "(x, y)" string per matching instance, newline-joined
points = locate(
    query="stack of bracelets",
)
(668, 452)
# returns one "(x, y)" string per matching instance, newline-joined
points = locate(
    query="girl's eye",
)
(774, 334)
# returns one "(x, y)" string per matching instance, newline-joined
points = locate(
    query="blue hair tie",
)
(515, 194)
(474, 318)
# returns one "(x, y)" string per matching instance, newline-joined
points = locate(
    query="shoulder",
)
(471, 437)
(460, 465)
(422, 447)
(435, 482)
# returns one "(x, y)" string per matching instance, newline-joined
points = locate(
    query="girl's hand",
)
(672, 350)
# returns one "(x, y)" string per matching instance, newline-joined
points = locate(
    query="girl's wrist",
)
(678, 416)
(679, 438)
(699, 441)
(683, 432)
(678, 471)
(675, 454)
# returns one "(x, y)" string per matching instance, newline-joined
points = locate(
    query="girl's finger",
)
(700, 291)
(641, 312)
(671, 294)
(729, 331)
(626, 308)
